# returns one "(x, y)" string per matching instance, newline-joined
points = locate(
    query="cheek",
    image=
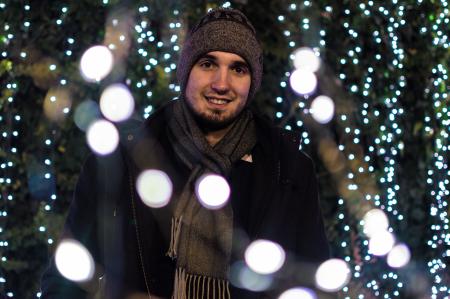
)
(196, 84)
(192, 91)
(244, 89)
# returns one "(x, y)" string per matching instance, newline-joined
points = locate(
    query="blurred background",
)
(364, 83)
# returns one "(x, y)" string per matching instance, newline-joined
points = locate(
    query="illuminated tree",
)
(385, 66)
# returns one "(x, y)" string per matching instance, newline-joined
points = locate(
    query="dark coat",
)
(123, 235)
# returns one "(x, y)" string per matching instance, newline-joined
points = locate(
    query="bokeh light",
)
(154, 187)
(116, 102)
(102, 137)
(322, 109)
(332, 275)
(96, 63)
(85, 114)
(303, 82)
(399, 256)
(298, 293)
(264, 257)
(375, 221)
(381, 243)
(306, 59)
(212, 191)
(57, 104)
(74, 261)
(243, 277)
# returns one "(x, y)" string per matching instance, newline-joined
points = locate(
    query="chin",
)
(213, 123)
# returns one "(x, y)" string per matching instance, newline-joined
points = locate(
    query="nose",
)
(221, 81)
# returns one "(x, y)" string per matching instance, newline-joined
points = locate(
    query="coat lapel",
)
(267, 167)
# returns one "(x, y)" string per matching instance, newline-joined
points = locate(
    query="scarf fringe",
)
(174, 237)
(191, 286)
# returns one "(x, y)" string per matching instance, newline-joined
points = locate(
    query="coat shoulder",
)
(290, 149)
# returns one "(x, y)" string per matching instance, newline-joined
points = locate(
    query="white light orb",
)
(322, 109)
(102, 137)
(74, 261)
(303, 82)
(375, 221)
(96, 63)
(332, 275)
(306, 58)
(212, 191)
(264, 257)
(154, 187)
(399, 256)
(381, 243)
(116, 102)
(298, 293)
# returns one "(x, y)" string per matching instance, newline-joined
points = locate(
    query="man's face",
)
(217, 89)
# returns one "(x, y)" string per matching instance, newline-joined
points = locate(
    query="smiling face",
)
(217, 89)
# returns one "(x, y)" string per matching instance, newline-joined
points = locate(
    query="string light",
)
(9, 128)
(154, 54)
(385, 148)
(11, 122)
(438, 172)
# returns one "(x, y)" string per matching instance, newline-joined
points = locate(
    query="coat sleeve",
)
(81, 225)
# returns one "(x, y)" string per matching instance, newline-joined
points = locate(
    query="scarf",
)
(201, 239)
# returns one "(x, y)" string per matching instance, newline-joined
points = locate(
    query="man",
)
(185, 250)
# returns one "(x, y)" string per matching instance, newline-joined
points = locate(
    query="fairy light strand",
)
(10, 121)
(386, 147)
(389, 144)
(438, 172)
(156, 52)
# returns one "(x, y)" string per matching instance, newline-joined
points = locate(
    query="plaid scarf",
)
(201, 239)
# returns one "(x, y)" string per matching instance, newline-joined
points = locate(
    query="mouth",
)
(217, 101)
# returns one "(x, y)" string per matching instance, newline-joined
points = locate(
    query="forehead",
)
(224, 56)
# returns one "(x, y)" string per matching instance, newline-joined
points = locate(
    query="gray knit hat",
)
(227, 30)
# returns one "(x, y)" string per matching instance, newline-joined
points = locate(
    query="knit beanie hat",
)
(227, 30)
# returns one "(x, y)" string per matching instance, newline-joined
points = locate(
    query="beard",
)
(213, 120)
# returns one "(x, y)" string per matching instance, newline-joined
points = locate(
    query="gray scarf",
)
(201, 238)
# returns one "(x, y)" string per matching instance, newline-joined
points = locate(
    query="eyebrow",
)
(240, 63)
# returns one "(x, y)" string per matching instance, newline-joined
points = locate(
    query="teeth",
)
(217, 101)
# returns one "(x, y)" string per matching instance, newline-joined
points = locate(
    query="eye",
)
(205, 64)
(241, 70)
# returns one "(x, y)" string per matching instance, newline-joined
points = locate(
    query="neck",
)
(213, 137)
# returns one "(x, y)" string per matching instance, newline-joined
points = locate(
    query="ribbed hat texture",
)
(227, 30)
